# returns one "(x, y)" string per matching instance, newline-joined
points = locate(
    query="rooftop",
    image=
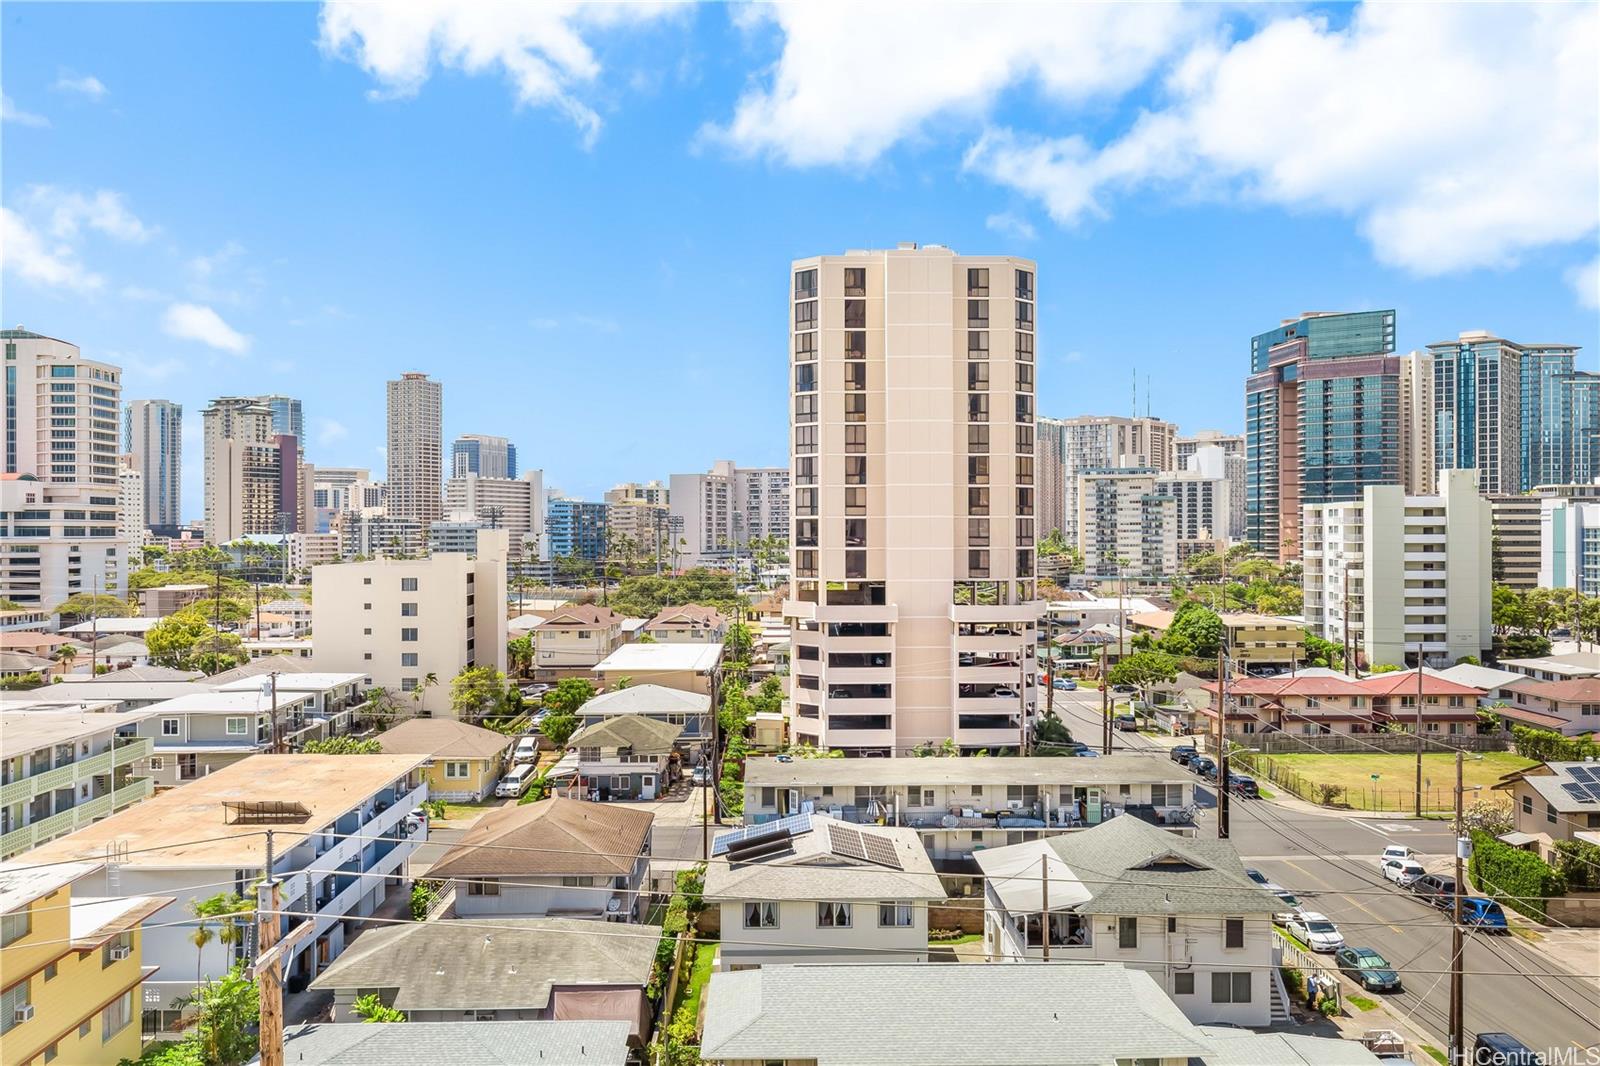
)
(1035, 770)
(113, 625)
(27, 730)
(1163, 619)
(647, 736)
(443, 738)
(283, 664)
(687, 616)
(700, 658)
(647, 699)
(556, 837)
(823, 858)
(1582, 689)
(112, 687)
(1569, 787)
(1575, 664)
(251, 700)
(592, 1043)
(311, 681)
(578, 615)
(21, 883)
(187, 826)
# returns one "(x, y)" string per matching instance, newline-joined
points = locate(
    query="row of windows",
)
(761, 914)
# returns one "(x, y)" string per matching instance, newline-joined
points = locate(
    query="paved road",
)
(1080, 712)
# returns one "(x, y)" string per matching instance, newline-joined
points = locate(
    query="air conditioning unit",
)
(118, 954)
(25, 1012)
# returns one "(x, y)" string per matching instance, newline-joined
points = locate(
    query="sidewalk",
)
(1283, 798)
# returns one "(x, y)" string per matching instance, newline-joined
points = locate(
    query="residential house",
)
(685, 667)
(1253, 640)
(128, 693)
(198, 734)
(291, 647)
(464, 761)
(96, 628)
(298, 613)
(15, 665)
(336, 698)
(622, 758)
(1330, 704)
(572, 639)
(498, 970)
(1570, 707)
(1127, 892)
(1552, 802)
(691, 710)
(560, 858)
(74, 967)
(960, 806)
(1568, 667)
(688, 624)
(504, 1044)
(810, 888)
(125, 655)
(898, 1015)
(60, 770)
(342, 830)
(1083, 647)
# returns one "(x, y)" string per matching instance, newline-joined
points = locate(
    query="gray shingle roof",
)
(814, 870)
(597, 1043)
(556, 837)
(448, 965)
(646, 699)
(646, 736)
(444, 738)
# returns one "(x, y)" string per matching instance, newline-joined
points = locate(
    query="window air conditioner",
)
(25, 1012)
(118, 954)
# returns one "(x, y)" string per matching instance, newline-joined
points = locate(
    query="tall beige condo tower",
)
(912, 476)
(415, 449)
(1417, 465)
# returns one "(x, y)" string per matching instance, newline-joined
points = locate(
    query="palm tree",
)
(203, 934)
(65, 655)
(429, 680)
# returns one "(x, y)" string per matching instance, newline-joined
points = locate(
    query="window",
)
(855, 314)
(855, 376)
(855, 407)
(408, 684)
(1230, 987)
(1527, 804)
(805, 346)
(855, 501)
(1024, 316)
(1127, 932)
(408, 584)
(978, 376)
(15, 926)
(977, 281)
(50, 971)
(1166, 795)
(805, 377)
(584, 881)
(977, 344)
(978, 314)
(855, 470)
(1024, 470)
(978, 532)
(977, 439)
(805, 315)
(978, 470)
(855, 344)
(855, 438)
(157, 763)
(977, 562)
(456, 770)
(116, 1017)
(759, 914)
(169, 727)
(486, 886)
(1024, 284)
(805, 284)
(894, 915)
(51, 1052)
(855, 564)
(1233, 932)
(408, 635)
(408, 610)
(977, 501)
(1183, 984)
(833, 916)
(16, 997)
(237, 727)
(855, 532)
(977, 407)
(408, 658)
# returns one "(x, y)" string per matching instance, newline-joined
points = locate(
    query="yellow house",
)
(467, 760)
(70, 969)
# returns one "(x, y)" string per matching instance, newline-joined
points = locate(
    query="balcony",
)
(997, 612)
(74, 818)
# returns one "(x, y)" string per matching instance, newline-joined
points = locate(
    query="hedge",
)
(1547, 746)
(1516, 878)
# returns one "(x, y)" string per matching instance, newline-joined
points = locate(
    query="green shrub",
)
(423, 893)
(1578, 864)
(1547, 746)
(1517, 879)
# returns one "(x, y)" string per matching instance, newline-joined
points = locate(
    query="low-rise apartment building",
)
(335, 699)
(75, 968)
(198, 734)
(170, 599)
(1569, 707)
(560, 858)
(1252, 640)
(573, 638)
(689, 624)
(810, 888)
(342, 831)
(1552, 802)
(1102, 895)
(686, 666)
(61, 770)
(1324, 704)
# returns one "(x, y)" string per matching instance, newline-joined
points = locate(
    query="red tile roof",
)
(1583, 689)
(1406, 685)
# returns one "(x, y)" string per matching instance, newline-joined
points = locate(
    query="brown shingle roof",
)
(561, 836)
(443, 738)
(689, 614)
(580, 614)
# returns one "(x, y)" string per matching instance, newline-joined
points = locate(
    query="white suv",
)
(1401, 871)
(1318, 933)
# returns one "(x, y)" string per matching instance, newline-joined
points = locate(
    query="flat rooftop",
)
(188, 827)
(309, 682)
(697, 657)
(27, 730)
(249, 700)
(1035, 770)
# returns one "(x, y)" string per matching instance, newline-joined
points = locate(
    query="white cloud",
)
(854, 79)
(10, 113)
(69, 213)
(1009, 225)
(27, 254)
(1585, 281)
(1457, 135)
(203, 266)
(84, 85)
(199, 323)
(330, 431)
(540, 48)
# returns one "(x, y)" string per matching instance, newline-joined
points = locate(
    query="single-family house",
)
(1551, 802)
(1178, 907)
(560, 858)
(130, 693)
(468, 1043)
(200, 733)
(61, 770)
(624, 758)
(690, 623)
(572, 639)
(1567, 667)
(17, 665)
(690, 710)
(1570, 707)
(500, 969)
(816, 889)
(687, 667)
(464, 760)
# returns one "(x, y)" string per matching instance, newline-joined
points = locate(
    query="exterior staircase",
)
(1280, 1000)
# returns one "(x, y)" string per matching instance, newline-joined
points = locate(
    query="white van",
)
(516, 781)
(527, 750)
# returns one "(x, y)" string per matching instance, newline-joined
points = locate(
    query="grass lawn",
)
(1397, 775)
(693, 988)
(1436, 1054)
(1361, 1002)
(965, 938)
(464, 812)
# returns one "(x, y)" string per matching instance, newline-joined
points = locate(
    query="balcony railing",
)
(26, 788)
(77, 817)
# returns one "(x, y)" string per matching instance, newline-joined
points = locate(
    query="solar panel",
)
(880, 850)
(778, 827)
(1594, 790)
(1582, 774)
(845, 841)
(1580, 793)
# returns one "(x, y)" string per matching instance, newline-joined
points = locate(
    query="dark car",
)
(1437, 889)
(1243, 785)
(1182, 753)
(1368, 969)
(1484, 913)
(1257, 876)
(1503, 1049)
(1204, 765)
(1127, 723)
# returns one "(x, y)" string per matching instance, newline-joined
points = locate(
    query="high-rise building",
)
(61, 485)
(1050, 471)
(1585, 426)
(638, 526)
(723, 510)
(474, 453)
(152, 432)
(1401, 573)
(1096, 442)
(1419, 467)
(130, 505)
(575, 528)
(913, 596)
(516, 505)
(251, 473)
(1569, 545)
(416, 407)
(1322, 419)
(1184, 447)
(1203, 494)
(1127, 525)
(1515, 554)
(634, 492)
(286, 416)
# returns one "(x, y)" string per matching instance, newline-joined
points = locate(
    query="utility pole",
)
(1222, 743)
(714, 773)
(94, 631)
(1419, 726)
(1457, 1012)
(272, 682)
(1105, 710)
(1044, 903)
(269, 965)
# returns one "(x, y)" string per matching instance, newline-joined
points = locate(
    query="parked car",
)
(1182, 754)
(1287, 900)
(1483, 913)
(1368, 969)
(1204, 765)
(534, 691)
(1244, 785)
(1001, 692)
(1316, 931)
(1257, 876)
(1503, 1049)
(1126, 723)
(1402, 871)
(700, 775)
(1064, 684)
(527, 750)
(516, 781)
(1123, 690)
(1398, 851)
(1437, 889)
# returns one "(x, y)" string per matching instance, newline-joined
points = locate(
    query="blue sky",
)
(581, 219)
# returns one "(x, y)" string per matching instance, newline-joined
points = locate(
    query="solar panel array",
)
(1582, 774)
(783, 828)
(880, 850)
(843, 840)
(1587, 787)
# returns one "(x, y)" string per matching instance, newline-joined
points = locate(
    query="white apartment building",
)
(374, 534)
(1217, 461)
(1204, 500)
(1569, 545)
(243, 470)
(913, 600)
(1126, 525)
(1418, 462)
(130, 505)
(152, 432)
(398, 621)
(1183, 448)
(516, 505)
(60, 770)
(307, 550)
(485, 456)
(1099, 442)
(1403, 572)
(723, 510)
(416, 406)
(640, 523)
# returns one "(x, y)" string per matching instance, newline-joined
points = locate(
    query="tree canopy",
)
(644, 595)
(185, 640)
(477, 691)
(569, 694)
(1143, 670)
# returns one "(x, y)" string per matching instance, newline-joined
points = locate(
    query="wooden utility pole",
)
(1419, 726)
(1457, 945)
(1222, 743)
(1044, 903)
(269, 968)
